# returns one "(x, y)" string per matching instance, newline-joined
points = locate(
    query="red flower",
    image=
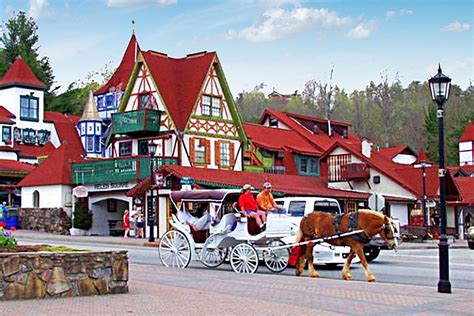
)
(3, 224)
(12, 228)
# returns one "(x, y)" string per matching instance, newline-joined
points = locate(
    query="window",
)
(36, 199)
(29, 108)
(29, 136)
(143, 147)
(145, 101)
(200, 152)
(125, 149)
(211, 106)
(296, 208)
(97, 144)
(303, 165)
(351, 207)
(307, 166)
(43, 136)
(224, 154)
(326, 206)
(273, 122)
(6, 134)
(100, 102)
(110, 101)
(89, 144)
(313, 166)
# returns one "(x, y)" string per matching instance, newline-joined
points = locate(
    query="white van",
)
(297, 207)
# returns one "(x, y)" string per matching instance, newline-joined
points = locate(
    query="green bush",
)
(7, 239)
(82, 217)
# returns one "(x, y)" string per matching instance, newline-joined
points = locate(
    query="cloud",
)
(277, 3)
(279, 23)
(130, 3)
(37, 8)
(406, 12)
(363, 31)
(456, 27)
(390, 14)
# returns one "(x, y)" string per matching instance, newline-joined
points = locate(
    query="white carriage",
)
(231, 235)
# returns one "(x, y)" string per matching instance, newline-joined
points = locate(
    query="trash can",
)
(12, 218)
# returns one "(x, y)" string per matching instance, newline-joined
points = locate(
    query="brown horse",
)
(319, 224)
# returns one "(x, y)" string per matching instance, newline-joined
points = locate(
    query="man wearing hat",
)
(248, 205)
(265, 199)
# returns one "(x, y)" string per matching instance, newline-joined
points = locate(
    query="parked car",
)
(297, 207)
(470, 237)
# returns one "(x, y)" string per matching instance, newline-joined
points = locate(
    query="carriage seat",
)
(199, 236)
(252, 226)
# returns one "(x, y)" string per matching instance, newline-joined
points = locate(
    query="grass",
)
(58, 249)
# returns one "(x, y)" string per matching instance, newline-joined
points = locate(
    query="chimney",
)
(366, 148)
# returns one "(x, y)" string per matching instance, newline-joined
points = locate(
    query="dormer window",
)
(273, 122)
(29, 108)
(211, 106)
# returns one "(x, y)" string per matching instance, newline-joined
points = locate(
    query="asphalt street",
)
(408, 266)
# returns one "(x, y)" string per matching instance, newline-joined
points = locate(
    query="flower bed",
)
(28, 272)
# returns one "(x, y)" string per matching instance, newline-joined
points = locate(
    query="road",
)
(408, 266)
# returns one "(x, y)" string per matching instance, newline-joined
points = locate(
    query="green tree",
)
(21, 39)
(82, 216)
(251, 104)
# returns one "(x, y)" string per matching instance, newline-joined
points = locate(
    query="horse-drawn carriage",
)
(230, 235)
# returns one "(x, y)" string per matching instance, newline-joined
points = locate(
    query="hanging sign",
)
(80, 191)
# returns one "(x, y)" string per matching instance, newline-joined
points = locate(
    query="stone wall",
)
(51, 220)
(32, 275)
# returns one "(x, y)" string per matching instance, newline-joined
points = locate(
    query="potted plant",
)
(82, 221)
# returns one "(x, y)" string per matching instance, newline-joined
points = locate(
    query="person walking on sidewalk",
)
(126, 223)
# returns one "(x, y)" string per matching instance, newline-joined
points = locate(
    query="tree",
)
(21, 39)
(82, 216)
(251, 104)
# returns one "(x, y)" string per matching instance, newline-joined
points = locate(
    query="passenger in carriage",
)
(197, 219)
(265, 200)
(248, 205)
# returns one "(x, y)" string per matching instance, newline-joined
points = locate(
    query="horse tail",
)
(299, 235)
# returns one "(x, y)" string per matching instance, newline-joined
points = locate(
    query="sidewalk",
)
(131, 241)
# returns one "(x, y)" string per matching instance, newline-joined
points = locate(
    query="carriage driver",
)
(248, 205)
(265, 199)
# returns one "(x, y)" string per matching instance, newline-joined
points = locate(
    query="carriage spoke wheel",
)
(174, 250)
(276, 260)
(244, 258)
(211, 256)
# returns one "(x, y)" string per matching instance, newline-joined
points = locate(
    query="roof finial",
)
(133, 27)
(439, 68)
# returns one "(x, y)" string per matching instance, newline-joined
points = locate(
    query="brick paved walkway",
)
(158, 290)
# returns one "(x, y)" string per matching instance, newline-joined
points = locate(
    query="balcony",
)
(141, 121)
(116, 170)
(355, 171)
(275, 170)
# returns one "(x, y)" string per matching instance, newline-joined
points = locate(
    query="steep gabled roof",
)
(32, 151)
(465, 186)
(20, 74)
(391, 152)
(422, 157)
(277, 139)
(179, 81)
(468, 134)
(286, 184)
(6, 116)
(120, 78)
(65, 125)
(56, 169)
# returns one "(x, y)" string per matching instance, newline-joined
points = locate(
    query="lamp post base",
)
(444, 286)
(151, 237)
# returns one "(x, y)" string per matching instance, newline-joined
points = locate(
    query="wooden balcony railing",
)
(117, 169)
(355, 171)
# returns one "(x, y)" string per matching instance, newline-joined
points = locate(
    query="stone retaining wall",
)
(51, 220)
(32, 275)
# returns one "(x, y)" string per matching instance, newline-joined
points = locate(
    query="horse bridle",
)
(386, 227)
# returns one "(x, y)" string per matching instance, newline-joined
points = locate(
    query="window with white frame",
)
(200, 152)
(211, 106)
(6, 134)
(216, 107)
(224, 154)
(29, 108)
(206, 105)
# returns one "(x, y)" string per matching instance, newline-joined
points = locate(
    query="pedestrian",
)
(126, 223)
(436, 219)
(248, 205)
(467, 220)
(265, 199)
(140, 224)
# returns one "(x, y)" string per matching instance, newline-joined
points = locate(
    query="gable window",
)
(6, 134)
(273, 122)
(125, 149)
(36, 199)
(200, 152)
(224, 154)
(145, 101)
(211, 106)
(29, 108)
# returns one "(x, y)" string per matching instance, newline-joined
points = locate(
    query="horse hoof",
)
(298, 273)
(314, 275)
(371, 279)
(347, 277)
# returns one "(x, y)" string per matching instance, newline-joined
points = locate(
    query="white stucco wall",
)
(49, 196)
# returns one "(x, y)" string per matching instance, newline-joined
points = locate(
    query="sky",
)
(281, 43)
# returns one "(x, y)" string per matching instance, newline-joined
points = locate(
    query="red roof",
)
(468, 134)
(391, 152)
(287, 184)
(120, 78)
(56, 169)
(6, 116)
(13, 166)
(33, 151)
(277, 139)
(65, 126)
(20, 73)
(179, 81)
(465, 187)
(422, 157)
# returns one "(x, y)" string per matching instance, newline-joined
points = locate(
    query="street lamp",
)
(439, 86)
(423, 163)
(151, 210)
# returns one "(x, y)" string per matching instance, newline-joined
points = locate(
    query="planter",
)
(77, 232)
(36, 274)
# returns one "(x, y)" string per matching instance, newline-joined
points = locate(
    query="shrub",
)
(7, 239)
(82, 217)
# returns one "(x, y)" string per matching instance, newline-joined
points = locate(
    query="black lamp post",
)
(151, 210)
(439, 86)
(423, 163)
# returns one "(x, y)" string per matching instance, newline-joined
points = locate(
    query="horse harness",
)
(353, 217)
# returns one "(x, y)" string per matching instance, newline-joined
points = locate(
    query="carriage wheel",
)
(211, 256)
(244, 259)
(174, 250)
(276, 260)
